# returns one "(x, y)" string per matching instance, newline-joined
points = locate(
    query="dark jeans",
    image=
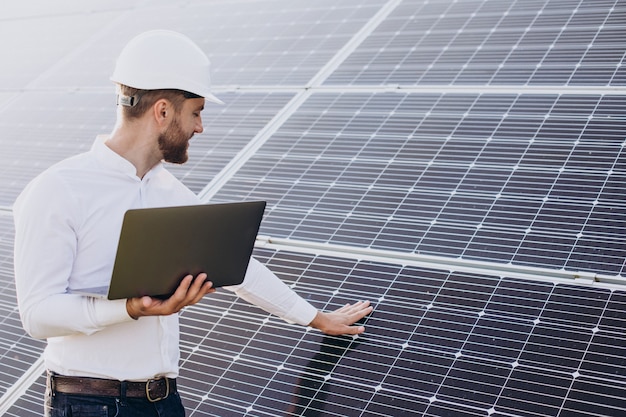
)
(69, 405)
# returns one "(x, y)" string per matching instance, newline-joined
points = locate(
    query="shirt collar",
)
(115, 161)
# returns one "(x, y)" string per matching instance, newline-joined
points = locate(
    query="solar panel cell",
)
(418, 373)
(534, 391)
(488, 375)
(605, 355)
(495, 339)
(605, 400)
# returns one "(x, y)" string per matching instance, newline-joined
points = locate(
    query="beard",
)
(173, 144)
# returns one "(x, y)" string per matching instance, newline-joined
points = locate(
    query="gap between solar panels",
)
(437, 89)
(15, 391)
(444, 263)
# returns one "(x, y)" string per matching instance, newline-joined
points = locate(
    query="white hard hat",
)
(163, 59)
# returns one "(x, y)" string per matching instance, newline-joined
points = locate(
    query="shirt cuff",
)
(108, 312)
(302, 312)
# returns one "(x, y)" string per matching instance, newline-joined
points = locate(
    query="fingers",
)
(359, 305)
(352, 330)
(356, 311)
(199, 289)
(190, 291)
(341, 321)
(353, 313)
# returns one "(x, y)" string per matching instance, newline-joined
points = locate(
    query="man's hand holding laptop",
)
(189, 292)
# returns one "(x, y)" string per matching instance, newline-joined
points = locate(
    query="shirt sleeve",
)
(46, 217)
(264, 289)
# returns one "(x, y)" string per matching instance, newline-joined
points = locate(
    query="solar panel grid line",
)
(556, 39)
(458, 385)
(250, 149)
(30, 402)
(369, 359)
(602, 362)
(265, 351)
(580, 403)
(528, 40)
(595, 35)
(245, 356)
(452, 192)
(217, 182)
(457, 354)
(539, 352)
(544, 399)
(354, 42)
(439, 392)
(513, 365)
(611, 321)
(229, 383)
(18, 389)
(496, 339)
(262, 364)
(546, 21)
(227, 341)
(320, 370)
(509, 178)
(240, 384)
(444, 408)
(483, 229)
(479, 46)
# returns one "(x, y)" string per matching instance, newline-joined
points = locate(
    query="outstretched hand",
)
(341, 321)
(189, 292)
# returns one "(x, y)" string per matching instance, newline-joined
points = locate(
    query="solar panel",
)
(459, 175)
(470, 324)
(527, 345)
(460, 164)
(492, 43)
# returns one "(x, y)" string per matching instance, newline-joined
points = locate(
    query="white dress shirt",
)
(67, 224)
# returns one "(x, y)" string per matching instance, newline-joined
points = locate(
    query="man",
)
(121, 357)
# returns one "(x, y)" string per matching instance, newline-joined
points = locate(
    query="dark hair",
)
(142, 100)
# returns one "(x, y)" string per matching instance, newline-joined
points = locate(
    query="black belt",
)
(153, 390)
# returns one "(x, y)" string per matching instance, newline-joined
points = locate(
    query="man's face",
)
(174, 142)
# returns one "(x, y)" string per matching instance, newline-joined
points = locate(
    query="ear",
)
(162, 110)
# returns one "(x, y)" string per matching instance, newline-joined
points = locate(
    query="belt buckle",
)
(167, 389)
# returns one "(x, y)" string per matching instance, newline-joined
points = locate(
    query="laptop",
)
(158, 247)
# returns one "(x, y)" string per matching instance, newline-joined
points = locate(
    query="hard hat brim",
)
(210, 97)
